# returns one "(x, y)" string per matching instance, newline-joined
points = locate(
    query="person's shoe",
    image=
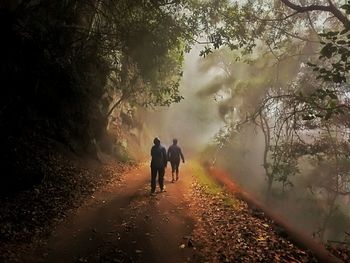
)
(153, 193)
(177, 178)
(173, 181)
(162, 190)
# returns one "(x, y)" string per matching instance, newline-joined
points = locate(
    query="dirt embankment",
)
(276, 221)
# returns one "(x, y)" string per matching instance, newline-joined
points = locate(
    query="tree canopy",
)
(284, 70)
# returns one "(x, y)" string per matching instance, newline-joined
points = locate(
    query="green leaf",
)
(338, 79)
(341, 42)
(320, 91)
(344, 31)
(328, 115)
(308, 117)
(332, 104)
(319, 115)
(333, 96)
(346, 7)
(205, 52)
(328, 50)
(310, 64)
(340, 111)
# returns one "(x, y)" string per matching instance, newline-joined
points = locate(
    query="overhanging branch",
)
(331, 8)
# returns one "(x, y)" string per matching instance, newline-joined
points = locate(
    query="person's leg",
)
(161, 173)
(153, 179)
(172, 171)
(177, 170)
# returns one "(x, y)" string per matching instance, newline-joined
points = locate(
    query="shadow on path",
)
(123, 223)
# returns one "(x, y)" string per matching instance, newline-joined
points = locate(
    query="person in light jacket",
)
(174, 154)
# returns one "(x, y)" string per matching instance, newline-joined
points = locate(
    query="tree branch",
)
(331, 8)
(114, 106)
(275, 19)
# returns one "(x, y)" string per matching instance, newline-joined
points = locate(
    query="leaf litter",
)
(28, 218)
(229, 231)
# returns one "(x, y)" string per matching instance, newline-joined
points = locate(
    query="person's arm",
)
(168, 154)
(182, 156)
(165, 157)
(151, 156)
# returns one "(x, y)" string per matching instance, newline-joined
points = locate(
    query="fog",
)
(217, 91)
(303, 195)
(194, 121)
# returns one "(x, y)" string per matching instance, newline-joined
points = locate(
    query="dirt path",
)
(193, 221)
(123, 223)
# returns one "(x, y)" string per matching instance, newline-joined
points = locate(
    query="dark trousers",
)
(175, 166)
(154, 172)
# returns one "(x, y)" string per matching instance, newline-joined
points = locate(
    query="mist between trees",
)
(90, 74)
(285, 103)
(281, 91)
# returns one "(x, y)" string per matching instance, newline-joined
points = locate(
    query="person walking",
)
(174, 153)
(158, 165)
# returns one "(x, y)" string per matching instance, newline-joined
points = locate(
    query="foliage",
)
(293, 89)
(151, 54)
(283, 164)
(209, 185)
(67, 65)
(140, 45)
(335, 53)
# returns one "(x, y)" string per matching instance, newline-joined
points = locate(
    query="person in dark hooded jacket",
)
(158, 165)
